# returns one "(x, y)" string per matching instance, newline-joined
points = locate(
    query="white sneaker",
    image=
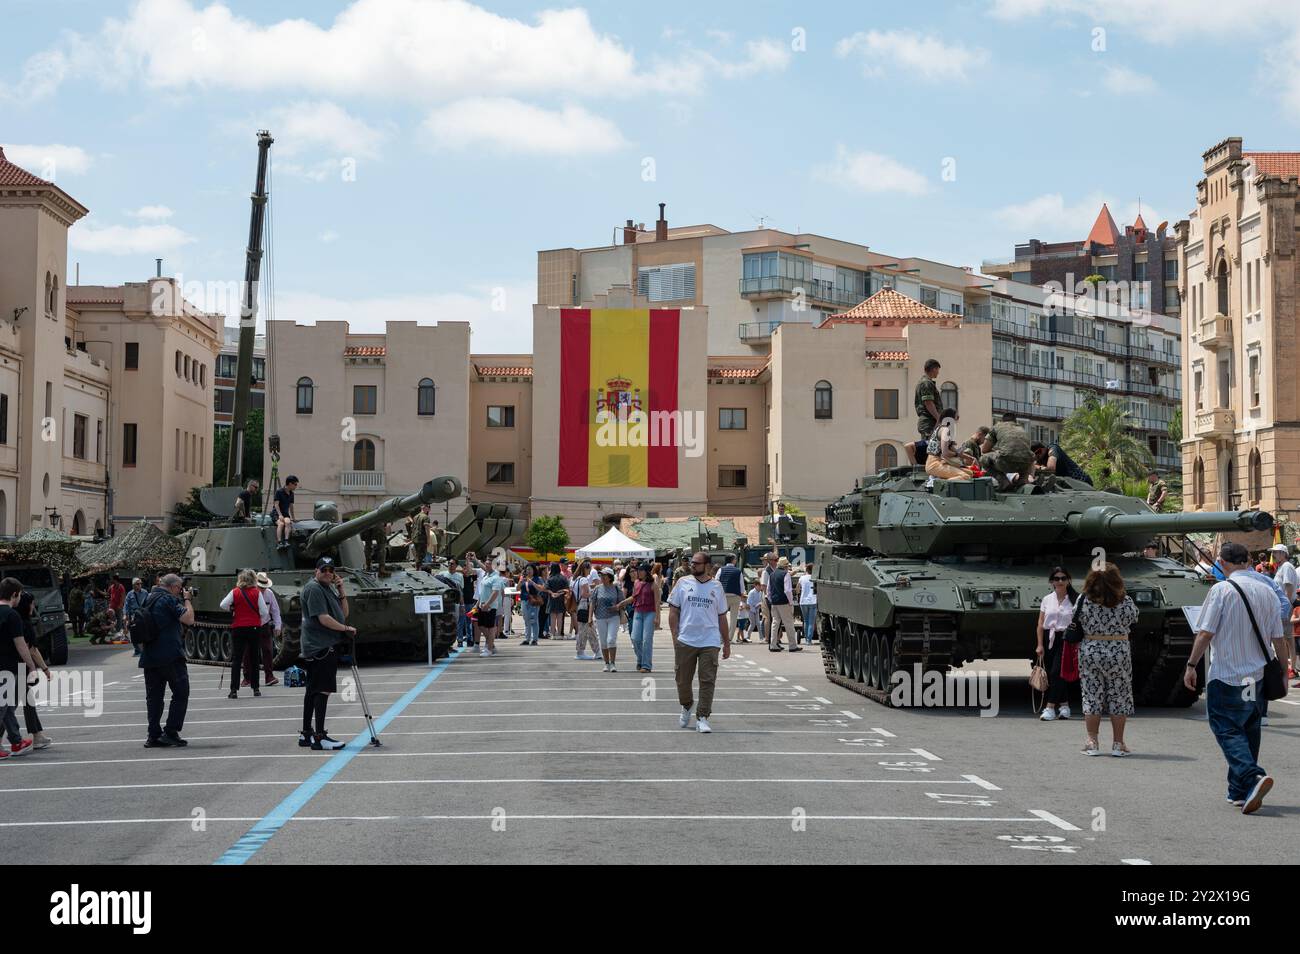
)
(613, 668)
(1063, 712)
(702, 725)
(484, 652)
(606, 667)
(582, 656)
(684, 720)
(1049, 715)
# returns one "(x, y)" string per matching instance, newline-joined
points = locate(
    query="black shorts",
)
(322, 673)
(487, 618)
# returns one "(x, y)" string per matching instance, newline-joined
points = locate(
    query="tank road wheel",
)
(847, 654)
(858, 658)
(871, 659)
(191, 647)
(841, 645)
(200, 644)
(214, 645)
(227, 643)
(887, 661)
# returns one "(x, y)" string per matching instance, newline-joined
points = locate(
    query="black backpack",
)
(142, 626)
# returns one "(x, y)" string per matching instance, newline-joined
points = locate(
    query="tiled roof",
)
(1285, 164)
(12, 175)
(1104, 231)
(735, 374)
(1139, 224)
(502, 371)
(364, 351)
(75, 299)
(888, 303)
(888, 356)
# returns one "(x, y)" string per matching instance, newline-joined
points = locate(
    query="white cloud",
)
(329, 235)
(1158, 21)
(870, 172)
(1051, 218)
(925, 56)
(320, 125)
(42, 73)
(153, 213)
(507, 125)
(1123, 81)
(719, 36)
(49, 161)
(128, 240)
(760, 56)
(509, 331)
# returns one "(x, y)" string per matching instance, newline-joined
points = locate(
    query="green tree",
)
(253, 432)
(794, 510)
(188, 514)
(547, 536)
(1176, 426)
(1099, 436)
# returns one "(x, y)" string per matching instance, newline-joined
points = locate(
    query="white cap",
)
(1281, 546)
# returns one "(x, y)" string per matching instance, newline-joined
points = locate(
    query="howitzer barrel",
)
(1102, 522)
(435, 491)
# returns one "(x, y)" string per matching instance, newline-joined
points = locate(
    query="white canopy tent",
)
(615, 545)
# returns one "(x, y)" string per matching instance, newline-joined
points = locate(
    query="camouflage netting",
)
(46, 547)
(141, 547)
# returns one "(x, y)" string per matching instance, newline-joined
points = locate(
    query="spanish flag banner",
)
(618, 397)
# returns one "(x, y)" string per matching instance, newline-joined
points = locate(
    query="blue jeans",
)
(464, 627)
(809, 611)
(629, 612)
(1234, 720)
(530, 622)
(643, 638)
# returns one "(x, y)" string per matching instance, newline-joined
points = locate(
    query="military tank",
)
(381, 608)
(940, 573)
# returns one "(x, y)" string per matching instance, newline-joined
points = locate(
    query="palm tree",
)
(1099, 436)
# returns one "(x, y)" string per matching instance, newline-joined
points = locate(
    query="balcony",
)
(1042, 412)
(361, 482)
(778, 286)
(1216, 333)
(1216, 423)
(752, 331)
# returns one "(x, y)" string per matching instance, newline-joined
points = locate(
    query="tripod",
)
(361, 694)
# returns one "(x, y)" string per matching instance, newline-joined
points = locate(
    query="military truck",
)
(940, 573)
(51, 621)
(381, 608)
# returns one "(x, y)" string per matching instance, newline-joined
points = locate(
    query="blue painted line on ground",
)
(262, 832)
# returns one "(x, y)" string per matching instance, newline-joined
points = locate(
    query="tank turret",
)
(327, 537)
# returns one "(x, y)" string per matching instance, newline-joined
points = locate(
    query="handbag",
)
(1273, 683)
(1074, 633)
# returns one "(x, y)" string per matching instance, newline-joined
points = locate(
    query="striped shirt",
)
(1284, 604)
(1234, 652)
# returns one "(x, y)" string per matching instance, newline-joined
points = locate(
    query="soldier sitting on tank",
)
(282, 510)
(1053, 460)
(945, 459)
(1007, 458)
(244, 503)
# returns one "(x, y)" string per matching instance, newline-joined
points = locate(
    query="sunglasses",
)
(1060, 579)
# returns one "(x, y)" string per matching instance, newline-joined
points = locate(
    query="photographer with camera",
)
(163, 659)
(324, 611)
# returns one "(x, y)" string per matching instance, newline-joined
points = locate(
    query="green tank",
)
(381, 608)
(940, 573)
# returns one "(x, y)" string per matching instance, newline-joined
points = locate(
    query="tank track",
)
(1162, 683)
(851, 658)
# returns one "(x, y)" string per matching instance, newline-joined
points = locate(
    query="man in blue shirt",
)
(163, 660)
(731, 578)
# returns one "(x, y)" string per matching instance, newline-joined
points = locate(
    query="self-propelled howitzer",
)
(327, 537)
(940, 573)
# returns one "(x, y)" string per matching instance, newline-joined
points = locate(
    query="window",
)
(667, 282)
(930, 297)
(54, 296)
(1139, 271)
(99, 441)
(133, 356)
(363, 454)
(424, 403)
(79, 422)
(1221, 287)
(203, 375)
(4, 419)
(1198, 483)
(886, 457)
(49, 399)
(501, 415)
(1255, 478)
(1248, 289)
(365, 399)
(1198, 385)
(189, 376)
(500, 473)
(1254, 379)
(306, 395)
(49, 308)
(176, 452)
(227, 365)
(223, 400)
(178, 364)
(731, 419)
(128, 445)
(731, 477)
(257, 400)
(886, 404)
(948, 391)
(822, 401)
(259, 369)
(1171, 269)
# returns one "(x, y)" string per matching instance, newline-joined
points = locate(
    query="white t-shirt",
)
(1286, 575)
(807, 596)
(701, 605)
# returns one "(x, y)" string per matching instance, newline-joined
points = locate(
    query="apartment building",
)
(224, 376)
(1241, 444)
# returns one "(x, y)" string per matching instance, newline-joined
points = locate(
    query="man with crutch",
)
(324, 612)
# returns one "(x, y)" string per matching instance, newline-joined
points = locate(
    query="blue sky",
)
(478, 134)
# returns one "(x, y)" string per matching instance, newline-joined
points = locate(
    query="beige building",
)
(225, 371)
(1241, 442)
(364, 417)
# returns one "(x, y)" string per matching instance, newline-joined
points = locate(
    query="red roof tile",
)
(75, 299)
(364, 351)
(502, 371)
(1285, 164)
(12, 175)
(888, 303)
(1104, 231)
(735, 374)
(1139, 224)
(888, 356)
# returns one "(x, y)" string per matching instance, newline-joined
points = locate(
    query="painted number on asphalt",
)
(945, 799)
(864, 743)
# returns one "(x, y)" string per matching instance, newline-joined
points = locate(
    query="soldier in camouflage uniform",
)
(1156, 492)
(420, 535)
(1006, 451)
(927, 412)
(975, 446)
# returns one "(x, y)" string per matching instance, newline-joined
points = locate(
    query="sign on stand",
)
(428, 606)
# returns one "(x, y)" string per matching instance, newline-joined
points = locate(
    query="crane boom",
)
(248, 316)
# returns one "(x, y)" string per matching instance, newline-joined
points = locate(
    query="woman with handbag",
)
(583, 593)
(1058, 658)
(250, 615)
(1105, 617)
(531, 593)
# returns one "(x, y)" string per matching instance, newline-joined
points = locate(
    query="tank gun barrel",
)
(1108, 522)
(435, 491)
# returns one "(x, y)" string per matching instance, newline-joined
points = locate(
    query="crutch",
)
(361, 694)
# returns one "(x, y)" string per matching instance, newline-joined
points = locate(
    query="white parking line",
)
(976, 780)
(823, 700)
(1134, 861)
(1058, 822)
(851, 715)
(927, 755)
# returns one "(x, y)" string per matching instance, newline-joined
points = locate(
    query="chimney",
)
(661, 227)
(629, 233)
(159, 262)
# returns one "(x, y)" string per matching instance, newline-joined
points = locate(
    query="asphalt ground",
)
(532, 756)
